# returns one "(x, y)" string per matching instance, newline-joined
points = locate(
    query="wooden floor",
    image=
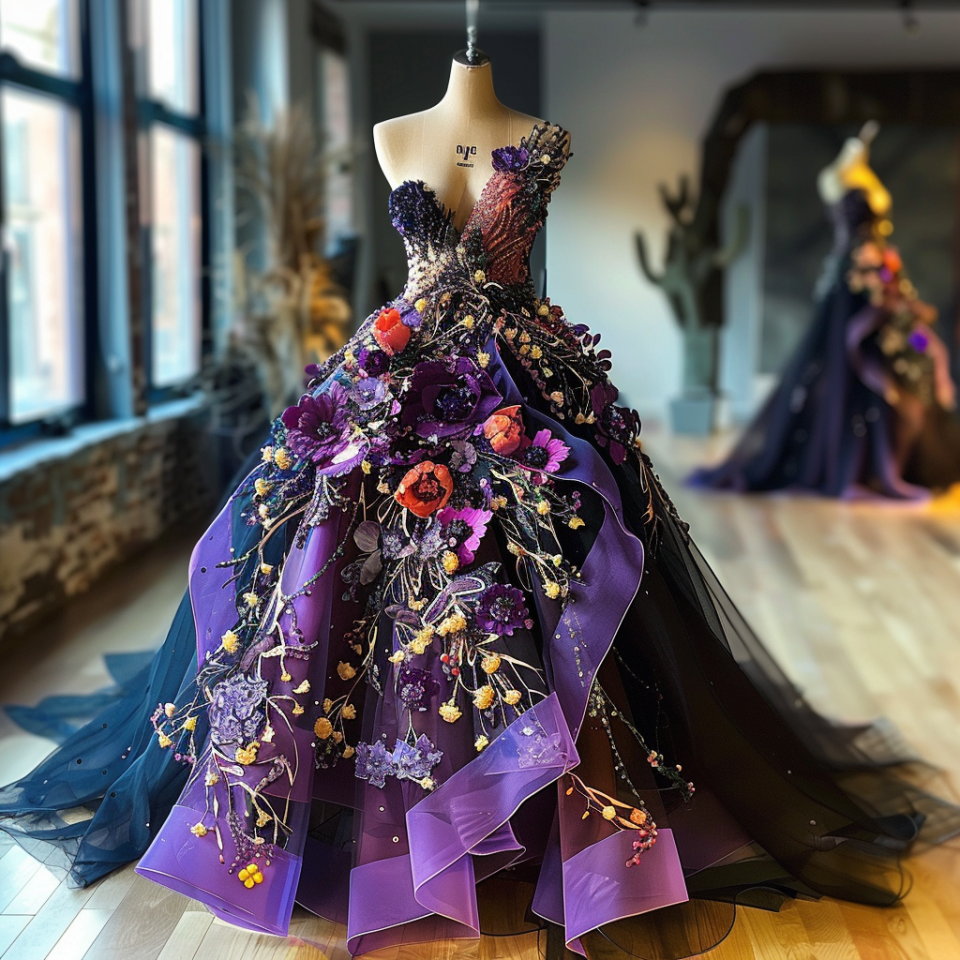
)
(860, 602)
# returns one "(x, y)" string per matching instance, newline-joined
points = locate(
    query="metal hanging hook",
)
(473, 9)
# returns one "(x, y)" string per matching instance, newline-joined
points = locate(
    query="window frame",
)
(152, 112)
(113, 113)
(76, 93)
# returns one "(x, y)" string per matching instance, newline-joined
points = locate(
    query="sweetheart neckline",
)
(449, 214)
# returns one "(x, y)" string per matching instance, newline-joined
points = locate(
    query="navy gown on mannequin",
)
(863, 406)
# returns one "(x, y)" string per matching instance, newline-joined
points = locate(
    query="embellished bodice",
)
(497, 237)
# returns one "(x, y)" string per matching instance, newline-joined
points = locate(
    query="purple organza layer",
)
(421, 854)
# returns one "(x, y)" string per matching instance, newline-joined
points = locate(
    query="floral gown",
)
(864, 405)
(451, 628)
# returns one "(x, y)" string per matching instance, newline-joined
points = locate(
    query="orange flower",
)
(425, 488)
(390, 332)
(504, 430)
(892, 261)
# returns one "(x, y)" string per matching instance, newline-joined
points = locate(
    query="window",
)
(338, 142)
(42, 342)
(116, 195)
(165, 35)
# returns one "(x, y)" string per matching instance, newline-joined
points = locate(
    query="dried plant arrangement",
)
(290, 312)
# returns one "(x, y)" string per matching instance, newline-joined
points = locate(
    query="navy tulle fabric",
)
(100, 797)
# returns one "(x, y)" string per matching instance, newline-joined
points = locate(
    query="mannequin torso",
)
(448, 146)
(851, 171)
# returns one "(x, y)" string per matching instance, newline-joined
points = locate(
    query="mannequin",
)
(851, 171)
(448, 146)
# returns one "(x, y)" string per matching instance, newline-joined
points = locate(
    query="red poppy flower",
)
(504, 430)
(391, 332)
(425, 489)
(892, 261)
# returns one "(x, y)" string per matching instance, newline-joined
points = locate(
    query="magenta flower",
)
(502, 609)
(546, 453)
(462, 529)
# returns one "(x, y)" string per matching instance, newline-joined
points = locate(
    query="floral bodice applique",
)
(499, 233)
(448, 518)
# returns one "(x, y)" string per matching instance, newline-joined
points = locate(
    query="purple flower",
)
(406, 762)
(369, 392)
(319, 429)
(462, 530)
(616, 426)
(397, 543)
(510, 158)
(501, 610)
(919, 340)
(415, 688)
(236, 715)
(411, 317)
(373, 361)
(602, 395)
(448, 397)
(417, 761)
(545, 453)
(374, 763)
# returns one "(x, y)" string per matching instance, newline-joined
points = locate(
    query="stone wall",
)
(73, 507)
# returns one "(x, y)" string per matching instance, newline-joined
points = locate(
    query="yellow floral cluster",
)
(250, 875)
(455, 623)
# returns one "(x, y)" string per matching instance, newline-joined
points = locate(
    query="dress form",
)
(852, 171)
(448, 146)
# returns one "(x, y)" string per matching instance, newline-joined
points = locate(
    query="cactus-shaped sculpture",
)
(691, 279)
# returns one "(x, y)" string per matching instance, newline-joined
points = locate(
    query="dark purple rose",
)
(415, 688)
(373, 362)
(510, 158)
(448, 397)
(236, 714)
(502, 609)
(919, 340)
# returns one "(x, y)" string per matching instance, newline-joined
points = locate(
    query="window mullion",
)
(16, 74)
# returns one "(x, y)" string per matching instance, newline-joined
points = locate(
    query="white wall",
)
(638, 100)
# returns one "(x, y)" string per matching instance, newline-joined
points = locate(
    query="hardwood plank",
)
(80, 934)
(41, 934)
(187, 936)
(19, 868)
(109, 892)
(34, 893)
(10, 929)
(141, 925)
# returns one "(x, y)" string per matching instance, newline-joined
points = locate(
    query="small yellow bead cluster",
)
(250, 875)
